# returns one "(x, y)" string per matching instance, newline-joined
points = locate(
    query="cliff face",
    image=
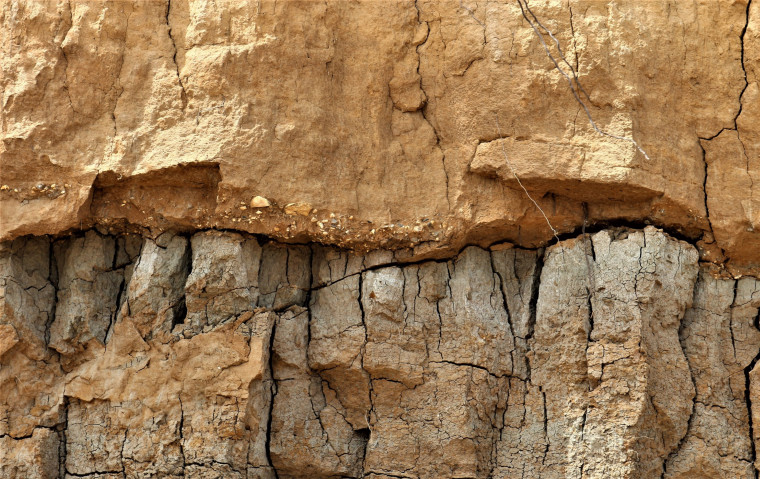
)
(379, 239)
(216, 355)
(406, 120)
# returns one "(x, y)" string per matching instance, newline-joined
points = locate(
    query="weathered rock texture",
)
(382, 239)
(383, 124)
(613, 354)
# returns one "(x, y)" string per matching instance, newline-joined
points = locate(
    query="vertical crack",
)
(273, 393)
(583, 430)
(741, 95)
(588, 250)
(121, 453)
(533, 302)
(115, 313)
(575, 86)
(546, 426)
(64, 426)
(748, 401)
(182, 433)
(693, 412)
(53, 279)
(500, 288)
(174, 56)
(424, 108)
(744, 68)
(704, 188)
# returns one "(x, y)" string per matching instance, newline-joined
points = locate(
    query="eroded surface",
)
(217, 355)
(375, 125)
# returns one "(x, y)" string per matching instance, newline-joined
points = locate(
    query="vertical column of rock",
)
(285, 276)
(89, 285)
(224, 393)
(396, 358)
(641, 384)
(310, 433)
(518, 271)
(155, 294)
(260, 394)
(113, 412)
(336, 346)
(721, 341)
(438, 354)
(221, 292)
(555, 401)
(30, 397)
(224, 280)
(338, 334)
(606, 355)
(521, 445)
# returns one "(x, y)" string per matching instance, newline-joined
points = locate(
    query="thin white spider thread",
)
(569, 81)
(559, 49)
(572, 89)
(509, 164)
(472, 14)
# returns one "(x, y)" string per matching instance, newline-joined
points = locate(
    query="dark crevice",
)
(590, 317)
(693, 413)
(181, 427)
(546, 425)
(179, 309)
(308, 299)
(53, 278)
(63, 427)
(533, 303)
(179, 312)
(589, 256)
(363, 435)
(273, 394)
(471, 365)
(115, 312)
(704, 188)
(183, 94)
(748, 401)
(90, 474)
(730, 320)
(500, 286)
(583, 430)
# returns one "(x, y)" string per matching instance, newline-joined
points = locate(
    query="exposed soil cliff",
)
(607, 355)
(412, 239)
(384, 124)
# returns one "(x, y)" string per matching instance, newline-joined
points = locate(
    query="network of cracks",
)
(215, 354)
